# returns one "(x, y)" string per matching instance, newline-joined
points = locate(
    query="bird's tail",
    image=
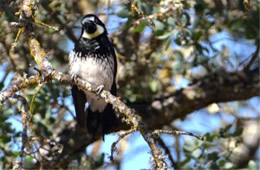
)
(103, 122)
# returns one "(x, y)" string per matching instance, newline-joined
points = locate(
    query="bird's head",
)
(92, 27)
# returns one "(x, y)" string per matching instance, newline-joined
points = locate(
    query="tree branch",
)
(214, 88)
(49, 73)
(254, 56)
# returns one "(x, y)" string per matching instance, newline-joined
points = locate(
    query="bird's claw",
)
(99, 89)
(74, 77)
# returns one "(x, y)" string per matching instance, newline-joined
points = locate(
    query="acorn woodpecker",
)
(94, 60)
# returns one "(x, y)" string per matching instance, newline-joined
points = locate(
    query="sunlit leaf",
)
(153, 85)
(252, 165)
(196, 153)
(228, 165)
(164, 36)
(171, 21)
(158, 25)
(189, 144)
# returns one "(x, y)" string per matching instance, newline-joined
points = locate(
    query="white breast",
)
(95, 71)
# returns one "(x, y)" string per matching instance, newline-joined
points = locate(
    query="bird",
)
(93, 59)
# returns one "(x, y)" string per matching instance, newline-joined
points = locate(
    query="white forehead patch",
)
(87, 19)
(100, 30)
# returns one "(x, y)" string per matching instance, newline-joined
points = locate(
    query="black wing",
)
(79, 99)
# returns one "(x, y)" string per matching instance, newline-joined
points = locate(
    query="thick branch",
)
(214, 88)
(9, 92)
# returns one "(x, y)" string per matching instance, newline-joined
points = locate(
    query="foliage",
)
(162, 46)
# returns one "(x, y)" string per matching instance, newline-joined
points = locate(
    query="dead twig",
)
(253, 58)
(120, 137)
(175, 132)
(167, 151)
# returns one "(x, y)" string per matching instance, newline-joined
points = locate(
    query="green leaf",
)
(209, 137)
(171, 21)
(153, 85)
(164, 36)
(197, 35)
(228, 165)
(196, 153)
(177, 66)
(238, 132)
(185, 19)
(141, 26)
(147, 8)
(175, 33)
(221, 163)
(187, 32)
(123, 13)
(168, 43)
(10, 16)
(178, 56)
(1, 85)
(213, 156)
(223, 131)
(5, 139)
(202, 59)
(139, 5)
(252, 165)
(158, 25)
(189, 144)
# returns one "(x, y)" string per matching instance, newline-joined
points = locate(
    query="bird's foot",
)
(74, 77)
(99, 89)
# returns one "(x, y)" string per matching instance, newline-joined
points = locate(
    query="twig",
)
(14, 44)
(167, 151)
(50, 73)
(120, 137)
(254, 57)
(22, 109)
(45, 25)
(32, 101)
(9, 92)
(175, 132)
(65, 26)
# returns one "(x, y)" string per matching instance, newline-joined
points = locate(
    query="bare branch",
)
(214, 88)
(167, 151)
(120, 137)
(233, 86)
(9, 92)
(176, 132)
(254, 57)
(40, 57)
